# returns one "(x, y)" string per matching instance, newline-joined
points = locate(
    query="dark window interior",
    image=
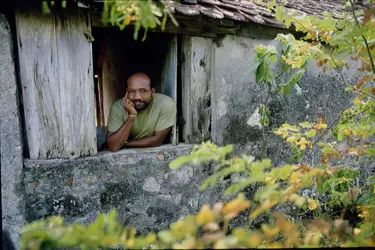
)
(117, 56)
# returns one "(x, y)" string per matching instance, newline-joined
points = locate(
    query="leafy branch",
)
(363, 37)
(343, 78)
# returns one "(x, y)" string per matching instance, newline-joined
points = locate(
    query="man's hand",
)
(128, 105)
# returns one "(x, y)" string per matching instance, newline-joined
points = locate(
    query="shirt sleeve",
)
(167, 116)
(116, 117)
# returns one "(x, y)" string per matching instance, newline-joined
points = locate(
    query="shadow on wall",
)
(7, 242)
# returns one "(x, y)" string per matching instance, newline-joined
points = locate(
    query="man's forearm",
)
(116, 140)
(149, 141)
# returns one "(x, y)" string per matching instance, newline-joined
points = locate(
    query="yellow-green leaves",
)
(282, 16)
(205, 215)
(205, 152)
(143, 14)
(312, 204)
(281, 172)
(294, 134)
(234, 207)
(311, 133)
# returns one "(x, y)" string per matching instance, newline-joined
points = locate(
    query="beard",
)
(140, 105)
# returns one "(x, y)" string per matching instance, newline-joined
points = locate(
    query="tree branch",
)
(335, 121)
(343, 78)
(337, 67)
(263, 153)
(364, 38)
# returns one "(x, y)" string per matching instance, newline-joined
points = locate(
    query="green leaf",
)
(340, 135)
(288, 21)
(273, 58)
(177, 163)
(255, 66)
(296, 153)
(166, 236)
(265, 191)
(45, 8)
(300, 201)
(285, 88)
(280, 13)
(209, 181)
(238, 186)
(260, 49)
(370, 152)
(281, 172)
(331, 64)
(310, 133)
(305, 124)
(260, 73)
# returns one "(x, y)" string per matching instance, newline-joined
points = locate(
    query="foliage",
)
(105, 231)
(146, 14)
(142, 14)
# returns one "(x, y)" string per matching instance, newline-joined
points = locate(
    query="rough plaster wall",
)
(138, 183)
(237, 96)
(236, 93)
(10, 138)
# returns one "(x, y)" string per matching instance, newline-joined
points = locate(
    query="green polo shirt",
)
(159, 115)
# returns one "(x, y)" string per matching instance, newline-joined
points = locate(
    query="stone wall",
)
(11, 151)
(138, 183)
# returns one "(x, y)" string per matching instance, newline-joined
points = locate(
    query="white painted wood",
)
(198, 57)
(169, 79)
(57, 84)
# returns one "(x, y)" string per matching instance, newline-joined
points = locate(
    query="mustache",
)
(139, 102)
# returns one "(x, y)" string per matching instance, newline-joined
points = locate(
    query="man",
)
(142, 118)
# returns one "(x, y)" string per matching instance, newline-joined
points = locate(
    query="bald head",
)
(138, 80)
(140, 91)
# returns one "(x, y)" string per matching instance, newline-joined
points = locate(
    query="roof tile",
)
(255, 11)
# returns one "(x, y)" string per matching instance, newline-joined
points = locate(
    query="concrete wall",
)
(11, 152)
(237, 96)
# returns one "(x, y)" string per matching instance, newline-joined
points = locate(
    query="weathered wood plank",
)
(196, 80)
(57, 84)
(40, 83)
(77, 98)
(113, 72)
(169, 78)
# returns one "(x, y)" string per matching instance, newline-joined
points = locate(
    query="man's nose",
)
(137, 95)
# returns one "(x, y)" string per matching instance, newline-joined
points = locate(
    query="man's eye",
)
(143, 91)
(131, 92)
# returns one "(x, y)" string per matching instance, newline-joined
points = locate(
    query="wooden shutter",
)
(56, 71)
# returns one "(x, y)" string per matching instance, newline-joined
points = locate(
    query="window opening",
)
(116, 57)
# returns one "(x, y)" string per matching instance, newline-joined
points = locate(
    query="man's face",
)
(139, 92)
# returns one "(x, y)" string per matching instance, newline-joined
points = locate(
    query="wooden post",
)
(55, 59)
(196, 91)
(169, 80)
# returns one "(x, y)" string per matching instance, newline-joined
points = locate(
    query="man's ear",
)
(153, 90)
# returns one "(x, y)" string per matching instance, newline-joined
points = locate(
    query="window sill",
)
(130, 152)
(164, 147)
